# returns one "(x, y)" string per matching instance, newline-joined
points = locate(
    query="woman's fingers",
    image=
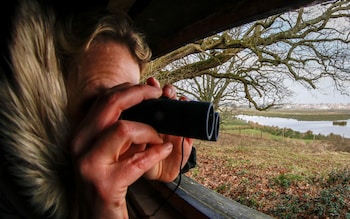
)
(146, 160)
(120, 156)
(117, 139)
(153, 82)
(168, 90)
(107, 109)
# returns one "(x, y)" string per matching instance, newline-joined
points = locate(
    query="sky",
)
(325, 94)
(306, 96)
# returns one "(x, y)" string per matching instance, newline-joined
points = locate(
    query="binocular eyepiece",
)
(192, 119)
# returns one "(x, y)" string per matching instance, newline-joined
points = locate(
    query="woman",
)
(66, 150)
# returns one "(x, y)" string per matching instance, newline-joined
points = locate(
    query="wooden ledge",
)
(190, 200)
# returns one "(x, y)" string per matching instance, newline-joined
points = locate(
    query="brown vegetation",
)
(285, 178)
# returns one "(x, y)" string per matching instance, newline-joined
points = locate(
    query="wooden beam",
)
(189, 200)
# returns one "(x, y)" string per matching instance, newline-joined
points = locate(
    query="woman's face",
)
(103, 66)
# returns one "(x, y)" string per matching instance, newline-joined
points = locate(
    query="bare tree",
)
(254, 60)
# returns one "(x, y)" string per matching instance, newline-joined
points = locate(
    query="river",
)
(317, 127)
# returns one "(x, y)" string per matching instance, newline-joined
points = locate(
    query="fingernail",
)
(168, 91)
(169, 146)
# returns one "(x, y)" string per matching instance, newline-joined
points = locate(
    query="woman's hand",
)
(111, 154)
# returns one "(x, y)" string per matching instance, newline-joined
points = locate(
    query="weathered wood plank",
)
(190, 200)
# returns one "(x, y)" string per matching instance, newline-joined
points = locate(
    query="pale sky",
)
(305, 96)
(326, 94)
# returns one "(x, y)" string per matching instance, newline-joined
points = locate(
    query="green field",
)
(282, 177)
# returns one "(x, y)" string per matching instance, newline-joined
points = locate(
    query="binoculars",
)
(192, 119)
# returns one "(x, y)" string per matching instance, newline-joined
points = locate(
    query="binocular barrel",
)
(192, 119)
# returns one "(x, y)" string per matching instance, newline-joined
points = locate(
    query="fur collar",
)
(33, 125)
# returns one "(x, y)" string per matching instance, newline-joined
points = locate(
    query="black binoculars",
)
(192, 119)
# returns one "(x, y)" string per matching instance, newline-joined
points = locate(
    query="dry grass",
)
(285, 178)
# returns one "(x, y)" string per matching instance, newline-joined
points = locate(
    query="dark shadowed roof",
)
(171, 24)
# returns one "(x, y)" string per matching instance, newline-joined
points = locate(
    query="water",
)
(317, 127)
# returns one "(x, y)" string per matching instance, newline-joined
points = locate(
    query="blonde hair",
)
(76, 34)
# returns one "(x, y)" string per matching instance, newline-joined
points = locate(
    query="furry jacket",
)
(35, 170)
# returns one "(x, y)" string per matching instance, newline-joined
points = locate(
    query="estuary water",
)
(317, 127)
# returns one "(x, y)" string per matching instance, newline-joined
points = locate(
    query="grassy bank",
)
(282, 177)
